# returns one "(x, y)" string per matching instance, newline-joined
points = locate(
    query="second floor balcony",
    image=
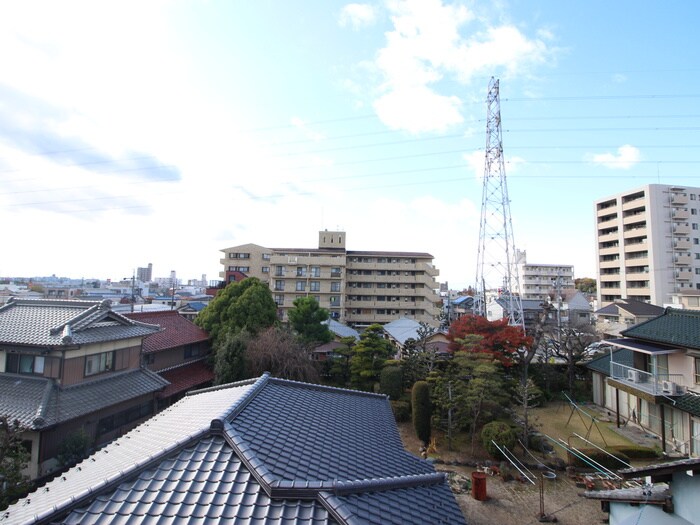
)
(655, 384)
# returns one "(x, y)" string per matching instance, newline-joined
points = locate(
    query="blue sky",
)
(163, 132)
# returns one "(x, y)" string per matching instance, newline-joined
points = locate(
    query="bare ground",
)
(518, 502)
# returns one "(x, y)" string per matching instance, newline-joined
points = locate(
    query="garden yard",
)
(518, 502)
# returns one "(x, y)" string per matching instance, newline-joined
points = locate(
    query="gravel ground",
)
(518, 503)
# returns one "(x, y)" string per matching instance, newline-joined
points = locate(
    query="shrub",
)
(402, 411)
(500, 432)
(391, 382)
(421, 410)
(635, 451)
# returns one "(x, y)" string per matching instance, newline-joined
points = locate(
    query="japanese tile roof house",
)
(259, 451)
(69, 365)
(178, 353)
(658, 383)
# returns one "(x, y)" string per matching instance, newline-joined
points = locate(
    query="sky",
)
(165, 131)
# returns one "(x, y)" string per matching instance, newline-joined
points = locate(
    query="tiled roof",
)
(674, 327)
(186, 377)
(601, 364)
(39, 403)
(341, 330)
(268, 451)
(402, 329)
(632, 306)
(175, 330)
(45, 322)
(688, 402)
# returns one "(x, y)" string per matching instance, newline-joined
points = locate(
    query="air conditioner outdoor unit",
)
(668, 387)
(633, 375)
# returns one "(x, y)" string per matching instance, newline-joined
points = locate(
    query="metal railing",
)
(663, 384)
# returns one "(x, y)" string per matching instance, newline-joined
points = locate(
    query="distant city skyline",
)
(166, 132)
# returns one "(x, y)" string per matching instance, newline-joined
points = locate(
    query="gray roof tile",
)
(252, 452)
(43, 322)
(673, 327)
(38, 402)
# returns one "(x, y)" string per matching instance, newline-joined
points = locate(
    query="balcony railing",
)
(654, 384)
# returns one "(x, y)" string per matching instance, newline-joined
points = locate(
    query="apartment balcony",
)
(609, 236)
(609, 251)
(633, 380)
(609, 264)
(679, 199)
(683, 274)
(638, 231)
(680, 215)
(681, 244)
(636, 247)
(681, 229)
(606, 222)
(683, 259)
(637, 217)
(611, 291)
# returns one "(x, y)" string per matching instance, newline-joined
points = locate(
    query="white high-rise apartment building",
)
(648, 243)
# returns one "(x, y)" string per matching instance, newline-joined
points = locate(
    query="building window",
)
(301, 286)
(335, 272)
(335, 286)
(315, 286)
(279, 271)
(24, 364)
(266, 256)
(109, 423)
(697, 370)
(335, 301)
(693, 211)
(192, 351)
(301, 271)
(98, 363)
(695, 225)
(149, 359)
(279, 286)
(279, 300)
(315, 271)
(265, 269)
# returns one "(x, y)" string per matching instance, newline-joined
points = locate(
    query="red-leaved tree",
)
(504, 342)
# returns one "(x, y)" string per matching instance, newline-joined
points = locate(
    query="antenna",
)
(496, 268)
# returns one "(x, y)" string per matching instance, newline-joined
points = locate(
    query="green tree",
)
(391, 382)
(74, 448)
(307, 318)
(586, 285)
(247, 304)
(229, 357)
(369, 355)
(421, 410)
(14, 458)
(340, 365)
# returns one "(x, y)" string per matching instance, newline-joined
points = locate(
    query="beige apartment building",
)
(648, 244)
(359, 288)
(537, 281)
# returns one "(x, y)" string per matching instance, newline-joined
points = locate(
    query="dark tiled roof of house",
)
(45, 322)
(175, 330)
(688, 402)
(674, 327)
(186, 377)
(631, 306)
(37, 402)
(263, 451)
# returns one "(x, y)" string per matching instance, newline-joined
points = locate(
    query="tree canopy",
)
(368, 357)
(502, 341)
(14, 458)
(244, 305)
(307, 318)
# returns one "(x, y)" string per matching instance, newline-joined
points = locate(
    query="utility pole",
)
(496, 266)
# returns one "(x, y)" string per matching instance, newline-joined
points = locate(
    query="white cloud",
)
(627, 156)
(357, 16)
(432, 42)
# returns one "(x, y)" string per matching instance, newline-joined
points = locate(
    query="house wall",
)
(626, 513)
(52, 439)
(686, 503)
(74, 364)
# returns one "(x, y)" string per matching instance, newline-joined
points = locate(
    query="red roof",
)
(176, 330)
(186, 377)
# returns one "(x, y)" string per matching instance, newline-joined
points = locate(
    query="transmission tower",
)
(496, 268)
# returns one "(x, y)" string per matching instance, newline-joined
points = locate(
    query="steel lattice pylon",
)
(496, 266)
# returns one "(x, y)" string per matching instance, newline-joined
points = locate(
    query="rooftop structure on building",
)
(648, 244)
(358, 288)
